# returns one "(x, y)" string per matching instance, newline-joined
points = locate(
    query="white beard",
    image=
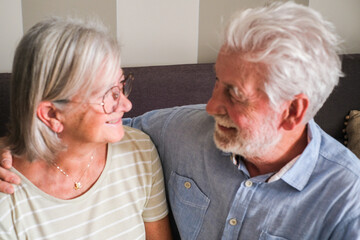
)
(249, 143)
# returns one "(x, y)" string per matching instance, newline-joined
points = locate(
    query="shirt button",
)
(233, 221)
(187, 185)
(248, 183)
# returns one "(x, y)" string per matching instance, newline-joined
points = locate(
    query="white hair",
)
(298, 48)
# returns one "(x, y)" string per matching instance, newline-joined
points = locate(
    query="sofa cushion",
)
(4, 101)
(352, 133)
(344, 98)
(158, 87)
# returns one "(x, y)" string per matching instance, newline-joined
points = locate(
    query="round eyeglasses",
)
(111, 98)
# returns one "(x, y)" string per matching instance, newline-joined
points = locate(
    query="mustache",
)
(225, 121)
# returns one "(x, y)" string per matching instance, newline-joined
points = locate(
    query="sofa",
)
(158, 87)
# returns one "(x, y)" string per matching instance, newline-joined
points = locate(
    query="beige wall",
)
(35, 10)
(10, 31)
(158, 32)
(213, 16)
(345, 14)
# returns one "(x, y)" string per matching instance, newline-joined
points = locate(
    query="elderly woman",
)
(83, 174)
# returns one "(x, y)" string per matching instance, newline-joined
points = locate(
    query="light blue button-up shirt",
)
(318, 198)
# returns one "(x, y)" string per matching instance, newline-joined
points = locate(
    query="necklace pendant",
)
(77, 185)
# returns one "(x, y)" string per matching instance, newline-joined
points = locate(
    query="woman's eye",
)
(116, 96)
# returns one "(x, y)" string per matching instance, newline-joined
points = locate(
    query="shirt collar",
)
(301, 168)
(299, 175)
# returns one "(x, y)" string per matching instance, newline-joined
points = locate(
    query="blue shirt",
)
(211, 198)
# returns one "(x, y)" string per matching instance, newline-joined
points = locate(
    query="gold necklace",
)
(77, 184)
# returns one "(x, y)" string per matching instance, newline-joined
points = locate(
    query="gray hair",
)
(56, 59)
(298, 48)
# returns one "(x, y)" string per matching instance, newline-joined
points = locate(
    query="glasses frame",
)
(123, 89)
(128, 80)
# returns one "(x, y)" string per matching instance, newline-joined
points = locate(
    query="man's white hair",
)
(297, 47)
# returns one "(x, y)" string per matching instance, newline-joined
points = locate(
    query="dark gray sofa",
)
(158, 87)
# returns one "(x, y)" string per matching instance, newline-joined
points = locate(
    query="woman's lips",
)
(114, 121)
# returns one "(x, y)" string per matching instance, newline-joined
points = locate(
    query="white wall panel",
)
(214, 15)
(36, 10)
(10, 31)
(157, 32)
(345, 15)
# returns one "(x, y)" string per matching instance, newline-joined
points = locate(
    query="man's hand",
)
(6, 177)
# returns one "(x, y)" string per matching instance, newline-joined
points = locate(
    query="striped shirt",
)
(129, 191)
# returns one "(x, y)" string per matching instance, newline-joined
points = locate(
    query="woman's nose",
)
(124, 105)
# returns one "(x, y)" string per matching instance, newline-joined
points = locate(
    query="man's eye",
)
(236, 96)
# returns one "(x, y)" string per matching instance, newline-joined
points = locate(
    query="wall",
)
(156, 32)
(214, 15)
(345, 15)
(10, 31)
(35, 10)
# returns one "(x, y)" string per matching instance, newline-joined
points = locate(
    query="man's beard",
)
(249, 143)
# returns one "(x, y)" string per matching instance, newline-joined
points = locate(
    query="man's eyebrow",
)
(236, 90)
(229, 86)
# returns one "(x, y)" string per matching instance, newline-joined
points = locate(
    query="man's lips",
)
(225, 129)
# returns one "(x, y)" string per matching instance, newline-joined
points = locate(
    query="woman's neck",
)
(58, 179)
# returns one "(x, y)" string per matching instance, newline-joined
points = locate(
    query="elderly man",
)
(255, 165)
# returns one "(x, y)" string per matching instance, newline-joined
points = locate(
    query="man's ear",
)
(49, 115)
(295, 112)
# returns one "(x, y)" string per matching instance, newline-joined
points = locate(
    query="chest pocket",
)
(266, 236)
(188, 204)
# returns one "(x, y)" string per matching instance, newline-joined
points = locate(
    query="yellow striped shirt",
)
(129, 191)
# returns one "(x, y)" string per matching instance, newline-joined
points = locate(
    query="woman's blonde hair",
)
(56, 59)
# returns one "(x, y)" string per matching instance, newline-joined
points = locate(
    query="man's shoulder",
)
(190, 119)
(193, 111)
(156, 121)
(189, 113)
(339, 155)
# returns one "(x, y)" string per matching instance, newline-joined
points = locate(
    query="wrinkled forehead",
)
(231, 66)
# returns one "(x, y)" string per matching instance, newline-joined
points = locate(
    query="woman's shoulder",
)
(134, 141)
(133, 133)
(134, 152)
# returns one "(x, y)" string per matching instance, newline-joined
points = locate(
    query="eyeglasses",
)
(111, 98)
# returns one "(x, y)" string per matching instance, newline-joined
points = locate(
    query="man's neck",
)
(290, 146)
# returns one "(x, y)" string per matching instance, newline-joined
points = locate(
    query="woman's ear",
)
(50, 116)
(295, 112)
